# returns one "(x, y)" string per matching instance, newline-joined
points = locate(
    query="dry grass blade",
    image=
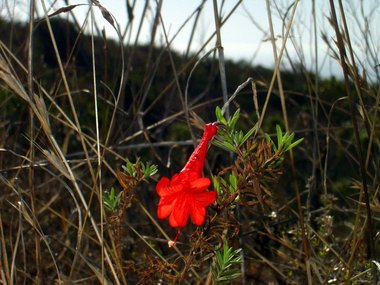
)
(8, 78)
(219, 47)
(56, 162)
(5, 273)
(65, 9)
(87, 92)
(366, 195)
(27, 215)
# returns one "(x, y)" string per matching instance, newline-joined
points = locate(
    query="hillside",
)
(89, 126)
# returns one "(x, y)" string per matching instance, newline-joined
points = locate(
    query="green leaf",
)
(219, 115)
(248, 134)
(228, 147)
(240, 137)
(290, 138)
(224, 182)
(216, 184)
(297, 142)
(225, 263)
(279, 135)
(267, 138)
(270, 141)
(233, 181)
(149, 169)
(284, 140)
(153, 170)
(130, 168)
(112, 194)
(232, 122)
(110, 201)
(143, 167)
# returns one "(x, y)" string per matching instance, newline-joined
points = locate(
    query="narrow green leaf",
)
(112, 194)
(229, 146)
(224, 182)
(130, 168)
(232, 122)
(248, 134)
(216, 184)
(226, 253)
(117, 202)
(110, 201)
(226, 258)
(230, 276)
(219, 258)
(240, 137)
(267, 138)
(221, 145)
(279, 135)
(285, 138)
(143, 167)
(270, 141)
(297, 142)
(287, 141)
(219, 115)
(153, 170)
(291, 137)
(233, 181)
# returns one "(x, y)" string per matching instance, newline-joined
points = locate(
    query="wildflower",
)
(185, 194)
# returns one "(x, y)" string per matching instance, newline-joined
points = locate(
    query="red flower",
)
(185, 195)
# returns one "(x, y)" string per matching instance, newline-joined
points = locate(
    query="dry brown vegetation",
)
(82, 115)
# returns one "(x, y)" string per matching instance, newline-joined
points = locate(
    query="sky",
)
(244, 35)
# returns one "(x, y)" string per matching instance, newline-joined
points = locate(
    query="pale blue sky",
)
(244, 34)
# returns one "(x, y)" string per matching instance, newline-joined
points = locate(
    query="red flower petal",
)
(184, 195)
(196, 161)
(197, 215)
(182, 178)
(204, 199)
(162, 183)
(180, 214)
(200, 184)
(178, 179)
(164, 188)
(165, 207)
(164, 211)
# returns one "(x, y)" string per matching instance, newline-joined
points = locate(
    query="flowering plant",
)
(186, 193)
(243, 187)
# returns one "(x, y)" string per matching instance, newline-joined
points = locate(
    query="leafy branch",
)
(132, 175)
(284, 141)
(229, 138)
(226, 262)
(139, 169)
(112, 201)
(227, 189)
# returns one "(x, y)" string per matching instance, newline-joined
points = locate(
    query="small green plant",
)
(226, 188)
(284, 141)
(148, 169)
(226, 262)
(131, 168)
(133, 173)
(112, 201)
(136, 169)
(231, 186)
(229, 138)
(243, 144)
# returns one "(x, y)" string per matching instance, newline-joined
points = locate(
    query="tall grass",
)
(68, 128)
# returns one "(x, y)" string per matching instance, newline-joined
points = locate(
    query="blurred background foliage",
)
(150, 124)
